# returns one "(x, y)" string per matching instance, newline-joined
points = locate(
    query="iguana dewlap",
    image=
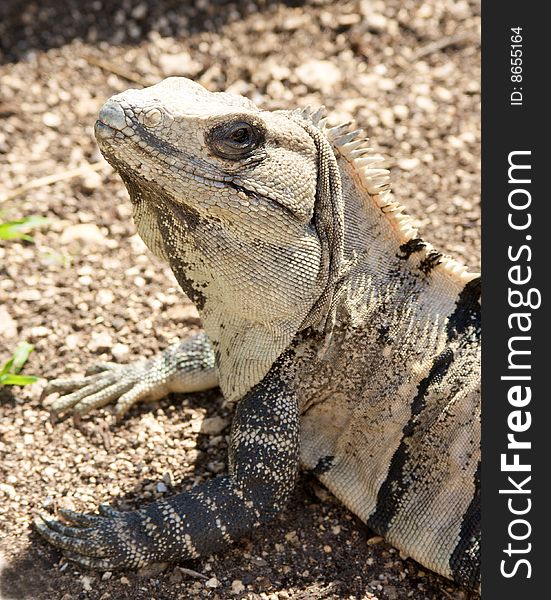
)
(349, 344)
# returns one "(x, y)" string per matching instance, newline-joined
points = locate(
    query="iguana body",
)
(349, 344)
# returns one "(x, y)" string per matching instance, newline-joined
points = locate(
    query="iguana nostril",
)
(112, 114)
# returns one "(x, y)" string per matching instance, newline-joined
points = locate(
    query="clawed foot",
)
(108, 541)
(105, 383)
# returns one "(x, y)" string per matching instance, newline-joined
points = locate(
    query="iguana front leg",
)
(185, 367)
(263, 462)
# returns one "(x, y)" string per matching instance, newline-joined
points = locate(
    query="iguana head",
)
(244, 204)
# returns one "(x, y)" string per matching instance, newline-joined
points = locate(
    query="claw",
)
(79, 519)
(106, 511)
(100, 397)
(99, 368)
(85, 546)
(93, 387)
(60, 385)
(129, 398)
(63, 529)
(100, 564)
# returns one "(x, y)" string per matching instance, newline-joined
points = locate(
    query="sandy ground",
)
(87, 289)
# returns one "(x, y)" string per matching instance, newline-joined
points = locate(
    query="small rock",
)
(8, 327)
(86, 583)
(319, 75)
(237, 586)
(139, 11)
(51, 120)
(124, 580)
(120, 351)
(91, 181)
(107, 575)
(161, 487)
(376, 22)
(105, 297)
(8, 490)
(425, 104)
(72, 341)
(213, 425)
(401, 111)
(30, 295)
(179, 64)
(212, 582)
(373, 541)
(39, 332)
(85, 280)
(47, 502)
(408, 164)
(279, 72)
(86, 233)
(291, 536)
(100, 341)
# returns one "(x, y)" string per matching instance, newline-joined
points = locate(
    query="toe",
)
(80, 519)
(84, 546)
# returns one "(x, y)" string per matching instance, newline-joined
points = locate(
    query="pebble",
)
(39, 332)
(8, 327)
(237, 586)
(87, 583)
(161, 487)
(408, 164)
(401, 111)
(212, 583)
(425, 104)
(91, 181)
(179, 65)
(72, 341)
(373, 541)
(30, 295)
(52, 120)
(87, 233)
(376, 22)
(105, 297)
(213, 425)
(139, 11)
(100, 341)
(120, 351)
(8, 489)
(85, 280)
(319, 75)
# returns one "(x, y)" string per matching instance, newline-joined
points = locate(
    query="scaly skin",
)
(318, 299)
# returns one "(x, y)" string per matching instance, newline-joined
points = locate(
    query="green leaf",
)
(17, 360)
(20, 356)
(12, 379)
(16, 230)
(7, 366)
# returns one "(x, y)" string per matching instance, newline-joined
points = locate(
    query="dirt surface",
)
(87, 289)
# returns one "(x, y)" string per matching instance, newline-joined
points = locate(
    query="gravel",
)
(87, 290)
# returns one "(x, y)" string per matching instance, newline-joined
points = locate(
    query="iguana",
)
(349, 345)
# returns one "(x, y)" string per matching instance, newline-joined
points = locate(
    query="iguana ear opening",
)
(328, 221)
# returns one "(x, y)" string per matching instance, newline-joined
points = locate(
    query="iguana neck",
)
(387, 267)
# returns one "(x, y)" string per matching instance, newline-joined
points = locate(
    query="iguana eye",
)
(151, 118)
(234, 140)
